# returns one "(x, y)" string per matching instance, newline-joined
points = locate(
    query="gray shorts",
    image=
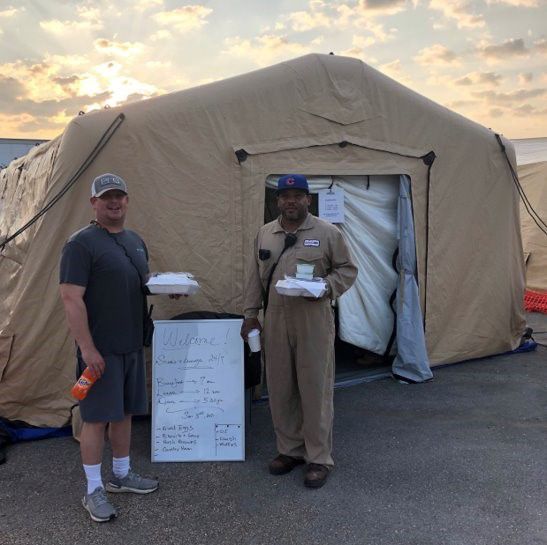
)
(119, 392)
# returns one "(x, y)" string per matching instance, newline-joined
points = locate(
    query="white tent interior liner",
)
(372, 231)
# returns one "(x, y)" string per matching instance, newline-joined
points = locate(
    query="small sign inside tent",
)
(331, 204)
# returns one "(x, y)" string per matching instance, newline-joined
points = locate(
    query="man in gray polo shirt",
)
(102, 275)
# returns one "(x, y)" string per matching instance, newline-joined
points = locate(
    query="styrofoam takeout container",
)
(173, 283)
(294, 287)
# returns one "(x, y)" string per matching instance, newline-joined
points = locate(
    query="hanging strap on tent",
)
(392, 307)
(527, 205)
(107, 135)
(428, 159)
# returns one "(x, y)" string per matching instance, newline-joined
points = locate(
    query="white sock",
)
(120, 467)
(93, 475)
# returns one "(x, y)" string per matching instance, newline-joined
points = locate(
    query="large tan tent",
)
(532, 173)
(197, 162)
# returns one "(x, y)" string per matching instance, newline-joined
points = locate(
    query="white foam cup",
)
(304, 271)
(253, 338)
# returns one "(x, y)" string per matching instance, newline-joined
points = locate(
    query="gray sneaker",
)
(132, 482)
(98, 506)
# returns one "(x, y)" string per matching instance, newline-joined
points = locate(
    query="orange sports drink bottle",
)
(83, 384)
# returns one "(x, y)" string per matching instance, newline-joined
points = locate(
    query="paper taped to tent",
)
(425, 190)
(532, 172)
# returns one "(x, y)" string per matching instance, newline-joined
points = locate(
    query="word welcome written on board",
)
(198, 410)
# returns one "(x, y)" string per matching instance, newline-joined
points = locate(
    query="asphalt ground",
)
(461, 460)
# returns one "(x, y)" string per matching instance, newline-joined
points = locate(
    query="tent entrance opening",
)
(364, 318)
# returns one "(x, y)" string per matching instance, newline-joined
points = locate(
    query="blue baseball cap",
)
(293, 181)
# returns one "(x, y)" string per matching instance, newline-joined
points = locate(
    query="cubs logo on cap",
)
(293, 181)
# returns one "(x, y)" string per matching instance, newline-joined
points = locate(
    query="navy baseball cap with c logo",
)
(293, 181)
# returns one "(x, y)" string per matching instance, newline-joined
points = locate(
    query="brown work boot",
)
(316, 475)
(282, 464)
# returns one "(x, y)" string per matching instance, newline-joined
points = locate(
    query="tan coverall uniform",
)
(299, 334)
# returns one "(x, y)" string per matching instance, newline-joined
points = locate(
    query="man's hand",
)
(93, 359)
(248, 325)
(76, 315)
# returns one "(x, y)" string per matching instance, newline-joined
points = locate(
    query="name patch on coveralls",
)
(311, 242)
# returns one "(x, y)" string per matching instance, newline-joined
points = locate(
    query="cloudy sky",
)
(486, 59)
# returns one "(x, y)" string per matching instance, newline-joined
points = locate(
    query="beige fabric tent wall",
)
(533, 178)
(531, 156)
(198, 207)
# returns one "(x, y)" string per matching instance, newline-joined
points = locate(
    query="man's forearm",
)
(76, 315)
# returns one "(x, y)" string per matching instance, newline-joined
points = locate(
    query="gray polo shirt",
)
(96, 260)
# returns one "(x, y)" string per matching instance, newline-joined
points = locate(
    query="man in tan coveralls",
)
(298, 331)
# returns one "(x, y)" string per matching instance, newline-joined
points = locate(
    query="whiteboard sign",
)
(198, 410)
(331, 204)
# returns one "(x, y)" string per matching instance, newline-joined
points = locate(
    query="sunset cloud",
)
(315, 17)
(462, 11)
(265, 49)
(38, 79)
(160, 35)
(436, 54)
(479, 78)
(10, 11)
(60, 28)
(384, 7)
(480, 57)
(120, 49)
(524, 109)
(359, 44)
(511, 48)
(456, 104)
(541, 46)
(184, 19)
(53, 87)
(69, 84)
(16, 93)
(89, 13)
(510, 97)
(360, 16)
(144, 5)
(517, 3)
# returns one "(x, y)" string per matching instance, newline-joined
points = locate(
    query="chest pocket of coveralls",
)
(314, 257)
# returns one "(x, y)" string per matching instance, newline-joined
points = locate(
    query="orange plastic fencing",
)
(534, 301)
